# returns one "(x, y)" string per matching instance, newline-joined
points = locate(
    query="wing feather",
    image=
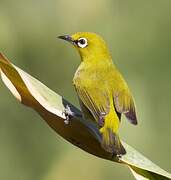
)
(95, 100)
(124, 103)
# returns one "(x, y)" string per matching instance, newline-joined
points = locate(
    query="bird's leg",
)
(68, 114)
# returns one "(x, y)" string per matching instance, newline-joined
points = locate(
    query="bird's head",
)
(89, 45)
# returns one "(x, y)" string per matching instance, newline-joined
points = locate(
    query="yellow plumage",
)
(102, 91)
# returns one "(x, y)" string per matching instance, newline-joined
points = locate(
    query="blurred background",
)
(138, 35)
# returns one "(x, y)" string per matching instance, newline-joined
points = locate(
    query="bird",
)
(102, 91)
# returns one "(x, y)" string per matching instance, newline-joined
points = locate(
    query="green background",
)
(138, 35)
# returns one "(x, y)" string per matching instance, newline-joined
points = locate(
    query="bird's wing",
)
(124, 103)
(95, 100)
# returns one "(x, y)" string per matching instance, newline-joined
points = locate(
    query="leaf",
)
(50, 106)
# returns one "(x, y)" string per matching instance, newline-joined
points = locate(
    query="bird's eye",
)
(82, 42)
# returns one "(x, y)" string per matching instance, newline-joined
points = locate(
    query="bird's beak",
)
(67, 38)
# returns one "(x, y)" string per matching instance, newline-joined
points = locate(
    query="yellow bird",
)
(102, 91)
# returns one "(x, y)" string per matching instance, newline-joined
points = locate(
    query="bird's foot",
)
(117, 157)
(68, 114)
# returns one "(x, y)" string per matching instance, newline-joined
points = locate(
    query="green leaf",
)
(50, 106)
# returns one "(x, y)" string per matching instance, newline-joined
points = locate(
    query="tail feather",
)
(112, 143)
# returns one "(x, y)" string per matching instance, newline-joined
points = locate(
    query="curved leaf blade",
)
(50, 106)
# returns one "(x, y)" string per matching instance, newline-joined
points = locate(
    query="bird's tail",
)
(111, 142)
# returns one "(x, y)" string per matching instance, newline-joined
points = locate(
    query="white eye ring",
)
(82, 42)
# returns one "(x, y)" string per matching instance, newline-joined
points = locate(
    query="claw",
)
(68, 114)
